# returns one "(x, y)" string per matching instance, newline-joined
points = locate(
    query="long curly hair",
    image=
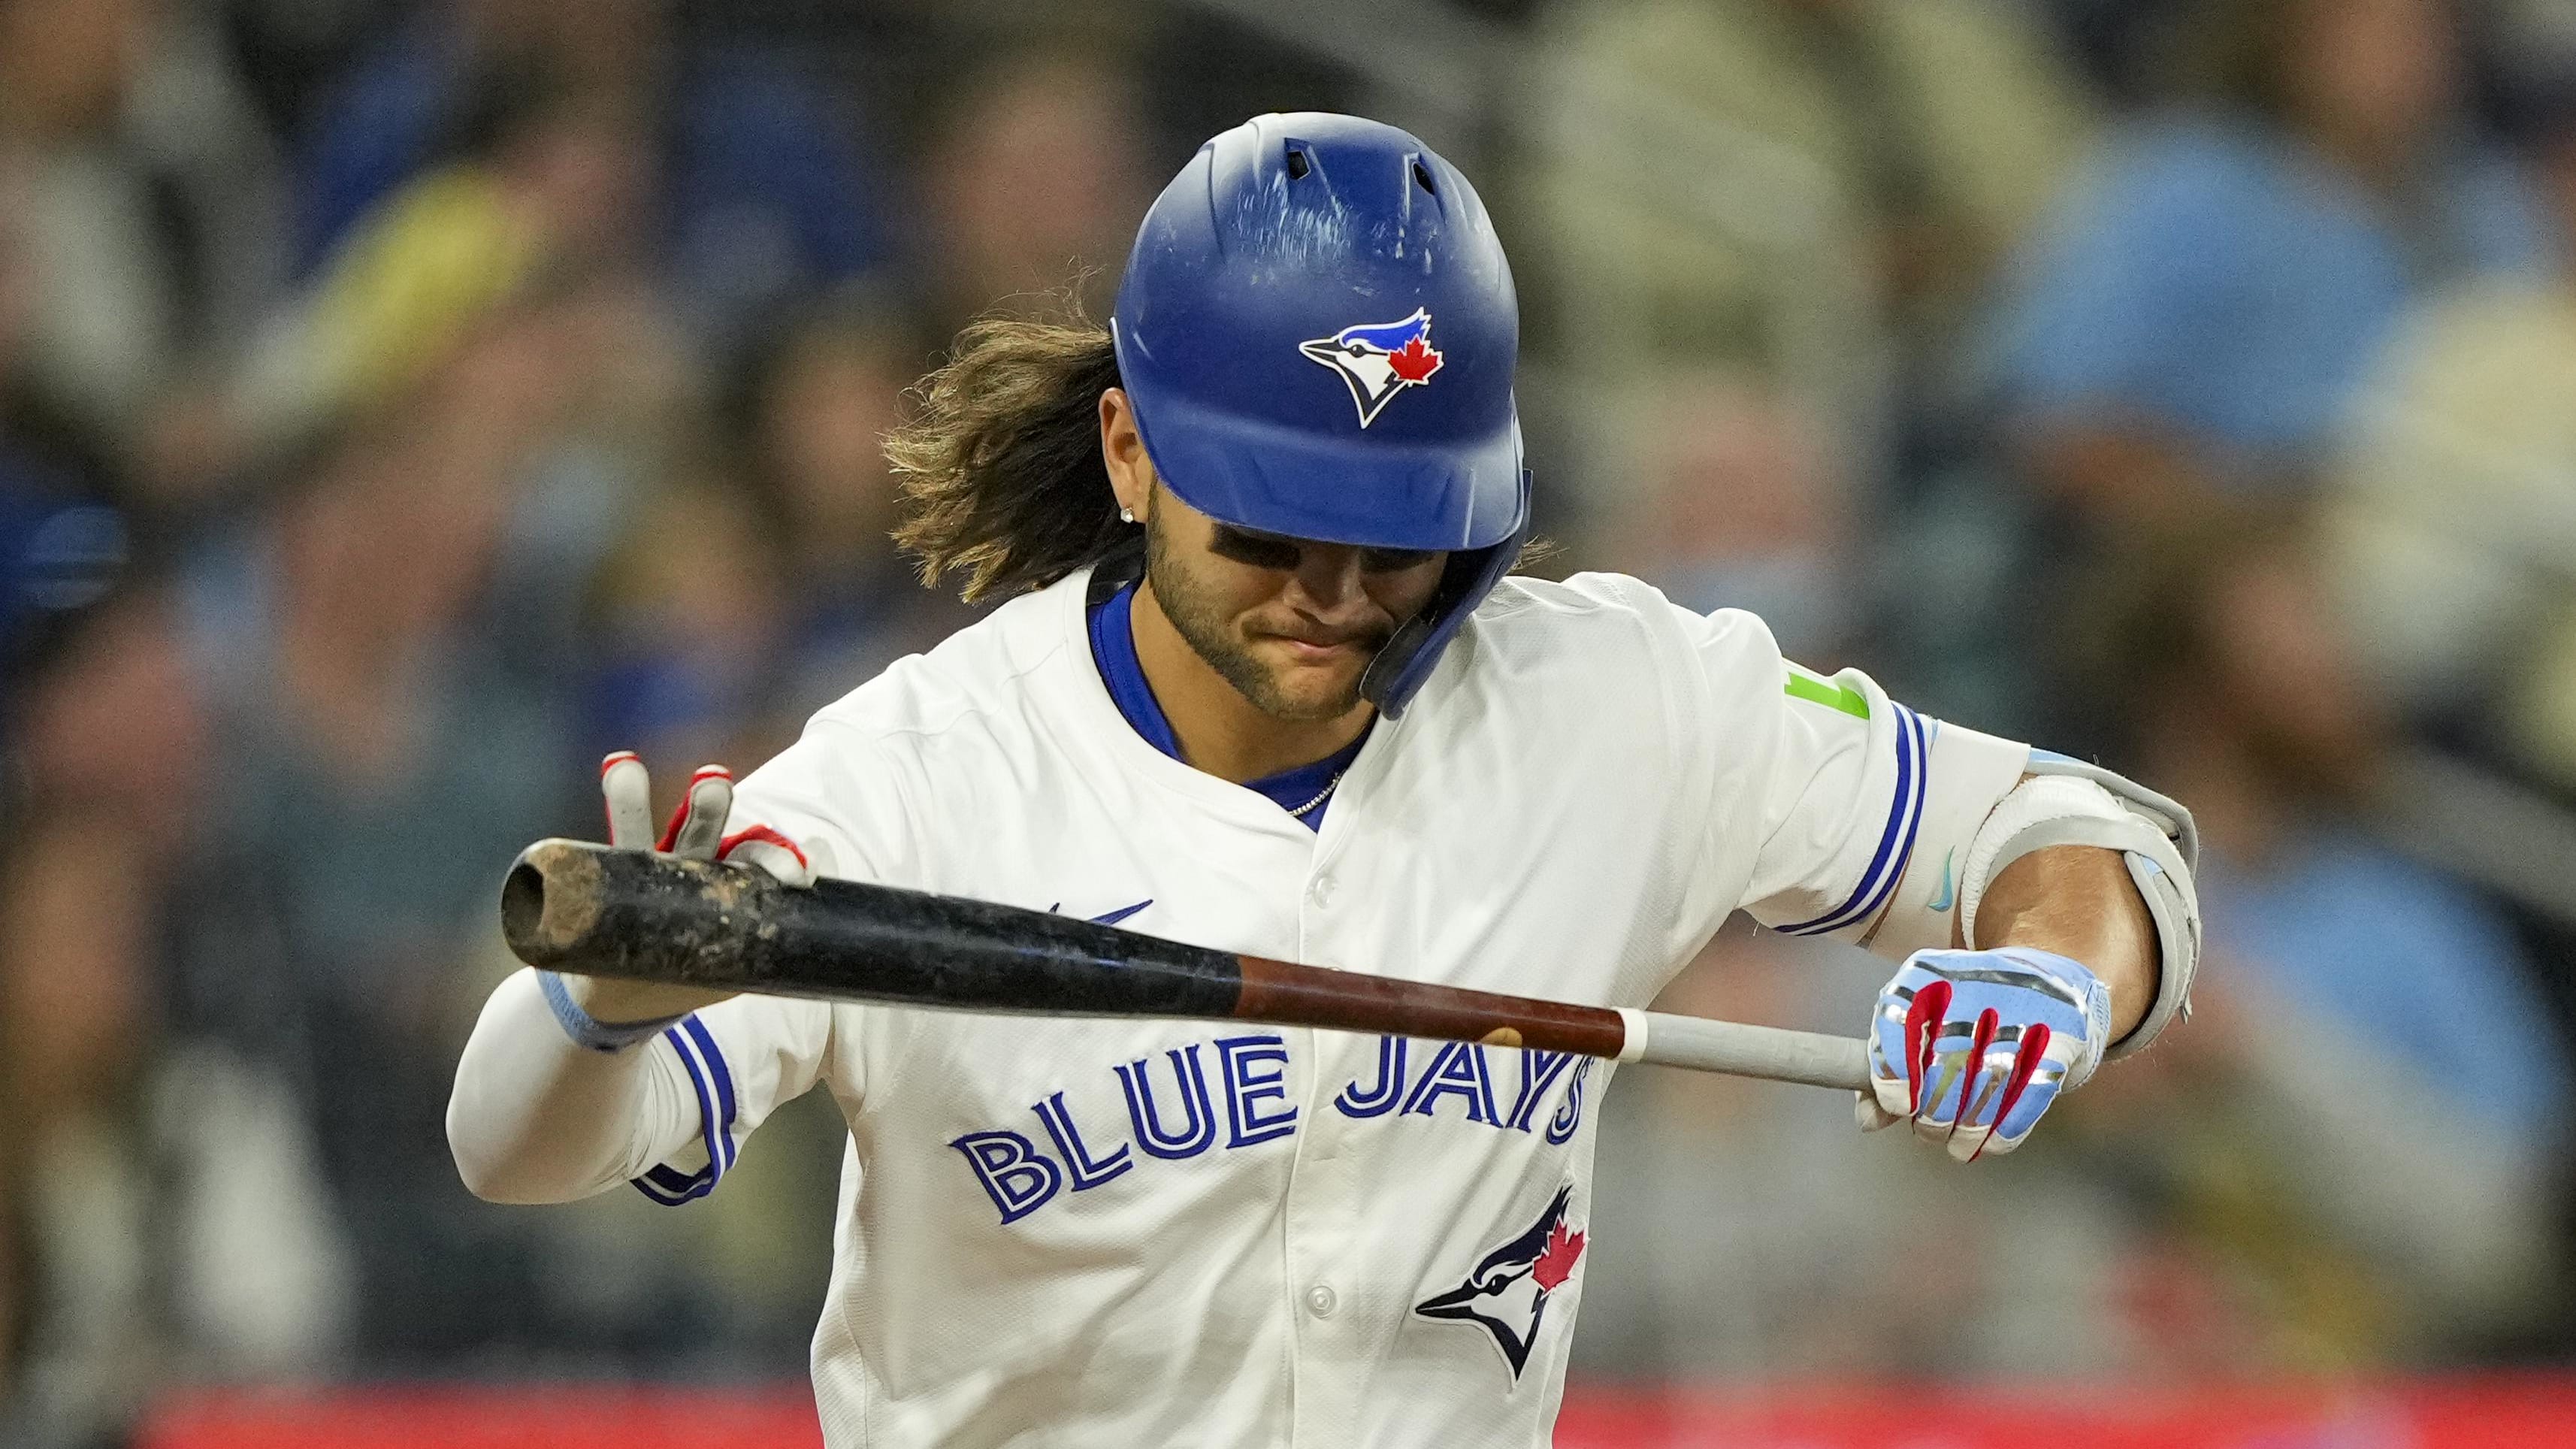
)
(1000, 466)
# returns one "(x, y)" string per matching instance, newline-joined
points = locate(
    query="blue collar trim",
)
(1113, 651)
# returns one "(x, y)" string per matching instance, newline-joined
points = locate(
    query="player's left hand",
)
(1974, 1045)
(696, 831)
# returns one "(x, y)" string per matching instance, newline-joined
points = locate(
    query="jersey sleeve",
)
(1857, 807)
(839, 799)
(740, 1060)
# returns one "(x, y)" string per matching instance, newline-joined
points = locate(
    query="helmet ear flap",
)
(1399, 652)
(1400, 668)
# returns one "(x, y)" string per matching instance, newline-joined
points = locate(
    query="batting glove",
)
(1974, 1045)
(696, 831)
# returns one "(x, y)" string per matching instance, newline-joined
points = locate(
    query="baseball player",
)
(1263, 683)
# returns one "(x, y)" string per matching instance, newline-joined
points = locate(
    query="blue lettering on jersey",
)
(1246, 1084)
(1138, 1081)
(1380, 1096)
(1085, 1172)
(1560, 1128)
(1020, 1177)
(1539, 1071)
(1459, 1069)
(1016, 1176)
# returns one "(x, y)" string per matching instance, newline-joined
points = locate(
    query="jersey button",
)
(1320, 1300)
(1321, 892)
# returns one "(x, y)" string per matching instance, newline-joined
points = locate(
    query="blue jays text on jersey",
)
(1246, 1076)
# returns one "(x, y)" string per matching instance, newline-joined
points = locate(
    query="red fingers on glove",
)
(696, 828)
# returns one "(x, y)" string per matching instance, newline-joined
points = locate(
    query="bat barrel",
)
(569, 905)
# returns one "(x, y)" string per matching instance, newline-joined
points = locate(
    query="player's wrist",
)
(605, 1014)
(2078, 903)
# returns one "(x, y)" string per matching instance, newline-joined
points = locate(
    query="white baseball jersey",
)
(1121, 1233)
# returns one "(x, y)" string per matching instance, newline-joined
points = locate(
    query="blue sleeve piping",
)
(708, 1074)
(1895, 843)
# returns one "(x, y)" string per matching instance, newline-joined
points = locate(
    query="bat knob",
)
(551, 900)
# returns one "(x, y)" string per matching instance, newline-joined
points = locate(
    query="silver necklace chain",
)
(1302, 811)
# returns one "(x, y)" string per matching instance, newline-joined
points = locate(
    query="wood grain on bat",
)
(1355, 1001)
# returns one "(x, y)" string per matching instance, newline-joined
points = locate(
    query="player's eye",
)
(1392, 560)
(1261, 550)
(1270, 551)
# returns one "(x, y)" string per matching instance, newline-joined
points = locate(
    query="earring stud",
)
(1126, 515)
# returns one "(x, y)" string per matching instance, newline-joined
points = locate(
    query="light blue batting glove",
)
(1974, 1045)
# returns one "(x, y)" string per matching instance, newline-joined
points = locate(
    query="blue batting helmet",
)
(1318, 331)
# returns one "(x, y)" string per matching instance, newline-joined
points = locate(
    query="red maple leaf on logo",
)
(1416, 362)
(1556, 1262)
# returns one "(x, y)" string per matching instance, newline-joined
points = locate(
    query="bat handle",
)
(1743, 1050)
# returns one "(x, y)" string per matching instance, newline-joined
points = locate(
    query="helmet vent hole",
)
(1298, 166)
(1422, 177)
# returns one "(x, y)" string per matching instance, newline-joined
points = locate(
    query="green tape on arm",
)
(1803, 685)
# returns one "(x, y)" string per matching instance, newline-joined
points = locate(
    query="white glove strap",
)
(2070, 809)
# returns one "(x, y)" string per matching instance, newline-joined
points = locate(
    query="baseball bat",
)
(570, 905)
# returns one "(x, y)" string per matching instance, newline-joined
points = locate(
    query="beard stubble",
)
(1204, 625)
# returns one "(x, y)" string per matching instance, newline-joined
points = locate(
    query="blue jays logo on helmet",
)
(1378, 359)
(1507, 1293)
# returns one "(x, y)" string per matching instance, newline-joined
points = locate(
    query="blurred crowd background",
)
(404, 402)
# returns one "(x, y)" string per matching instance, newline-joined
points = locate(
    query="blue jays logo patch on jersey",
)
(1378, 359)
(1507, 1293)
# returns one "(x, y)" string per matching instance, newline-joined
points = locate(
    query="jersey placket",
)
(1331, 1307)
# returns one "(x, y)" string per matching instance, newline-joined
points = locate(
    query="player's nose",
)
(1328, 580)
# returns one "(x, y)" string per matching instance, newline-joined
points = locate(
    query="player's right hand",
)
(696, 830)
(1974, 1045)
